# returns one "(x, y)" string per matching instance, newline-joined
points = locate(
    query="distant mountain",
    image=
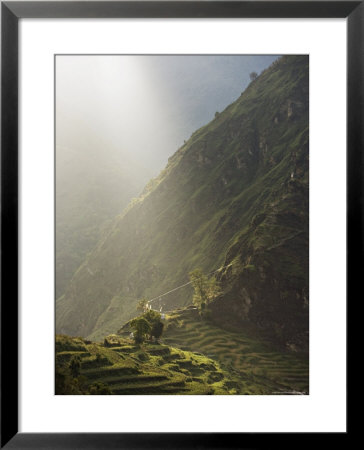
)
(234, 196)
(93, 185)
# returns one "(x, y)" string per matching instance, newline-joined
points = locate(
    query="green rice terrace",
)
(193, 357)
(124, 368)
(261, 368)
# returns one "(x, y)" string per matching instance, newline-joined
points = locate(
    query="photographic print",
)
(182, 224)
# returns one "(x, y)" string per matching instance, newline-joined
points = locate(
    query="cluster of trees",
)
(205, 288)
(147, 326)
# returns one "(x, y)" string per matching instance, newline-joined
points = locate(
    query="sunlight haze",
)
(144, 107)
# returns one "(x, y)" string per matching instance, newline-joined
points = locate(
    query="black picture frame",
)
(11, 12)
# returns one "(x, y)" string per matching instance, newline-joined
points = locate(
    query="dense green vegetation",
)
(234, 196)
(260, 367)
(120, 367)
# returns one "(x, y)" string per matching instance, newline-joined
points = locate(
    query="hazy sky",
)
(143, 107)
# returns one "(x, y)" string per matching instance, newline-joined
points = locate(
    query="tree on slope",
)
(157, 329)
(155, 320)
(142, 328)
(75, 366)
(205, 289)
(253, 76)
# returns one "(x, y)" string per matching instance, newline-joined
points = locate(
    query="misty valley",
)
(192, 280)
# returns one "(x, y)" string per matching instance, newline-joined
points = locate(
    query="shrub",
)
(75, 366)
(157, 329)
(253, 76)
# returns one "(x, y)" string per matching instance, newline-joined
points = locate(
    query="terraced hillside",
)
(259, 367)
(125, 368)
(194, 356)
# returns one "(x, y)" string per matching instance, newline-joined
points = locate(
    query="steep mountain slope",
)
(92, 187)
(235, 195)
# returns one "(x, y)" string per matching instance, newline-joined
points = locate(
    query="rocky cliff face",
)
(266, 275)
(235, 195)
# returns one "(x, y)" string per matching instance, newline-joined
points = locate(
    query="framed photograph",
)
(181, 210)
